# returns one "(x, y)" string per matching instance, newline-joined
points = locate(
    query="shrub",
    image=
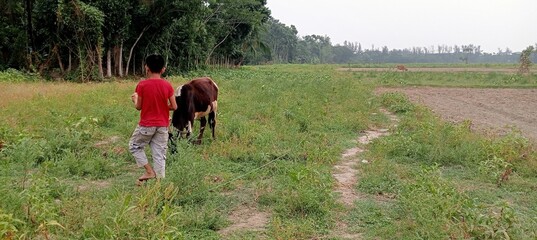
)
(13, 75)
(396, 102)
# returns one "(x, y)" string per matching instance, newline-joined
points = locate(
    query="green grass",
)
(447, 79)
(432, 65)
(279, 131)
(442, 180)
(67, 173)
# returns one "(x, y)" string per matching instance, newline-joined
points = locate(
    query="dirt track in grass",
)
(495, 110)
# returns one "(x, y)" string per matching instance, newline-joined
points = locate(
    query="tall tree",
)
(319, 46)
(30, 29)
(232, 22)
(13, 37)
(281, 40)
(117, 22)
(525, 60)
(86, 22)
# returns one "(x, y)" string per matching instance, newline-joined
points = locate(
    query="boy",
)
(154, 97)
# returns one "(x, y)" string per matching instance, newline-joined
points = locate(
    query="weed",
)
(380, 178)
(396, 102)
(375, 219)
(304, 192)
(450, 212)
(8, 225)
(13, 75)
(40, 203)
(492, 169)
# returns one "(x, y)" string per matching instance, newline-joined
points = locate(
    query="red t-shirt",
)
(154, 94)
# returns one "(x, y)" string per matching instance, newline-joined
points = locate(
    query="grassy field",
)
(435, 65)
(66, 172)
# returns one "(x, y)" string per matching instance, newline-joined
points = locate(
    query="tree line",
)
(285, 46)
(92, 39)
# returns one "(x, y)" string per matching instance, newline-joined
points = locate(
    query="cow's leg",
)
(172, 140)
(212, 122)
(189, 127)
(203, 123)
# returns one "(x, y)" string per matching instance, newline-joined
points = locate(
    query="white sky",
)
(399, 24)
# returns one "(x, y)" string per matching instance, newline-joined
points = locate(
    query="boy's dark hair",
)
(155, 63)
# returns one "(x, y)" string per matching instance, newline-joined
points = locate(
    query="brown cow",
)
(195, 100)
(402, 68)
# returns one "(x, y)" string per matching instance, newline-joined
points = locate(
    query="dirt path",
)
(489, 109)
(347, 176)
(245, 218)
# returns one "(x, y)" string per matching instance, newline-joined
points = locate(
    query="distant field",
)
(438, 69)
(433, 65)
(446, 76)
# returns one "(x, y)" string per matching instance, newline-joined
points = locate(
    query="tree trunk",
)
(120, 60)
(69, 62)
(31, 43)
(100, 61)
(81, 64)
(57, 52)
(108, 63)
(132, 49)
(116, 60)
(30, 31)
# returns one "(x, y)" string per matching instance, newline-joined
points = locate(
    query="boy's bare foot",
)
(148, 174)
(139, 183)
(146, 177)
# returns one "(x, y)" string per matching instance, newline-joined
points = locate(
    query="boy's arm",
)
(137, 100)
(173, 103)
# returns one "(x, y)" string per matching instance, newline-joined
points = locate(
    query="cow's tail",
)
(212, 114)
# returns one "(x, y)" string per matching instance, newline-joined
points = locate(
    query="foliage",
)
(281, 40)
(397, 102)
(454, 214)
(79, 38)
(287, 47)
(525, 60)
(493, 168)
(8, 225)
(13, 39)
(13, 75)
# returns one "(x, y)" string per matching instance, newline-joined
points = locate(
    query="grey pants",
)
(157, 138)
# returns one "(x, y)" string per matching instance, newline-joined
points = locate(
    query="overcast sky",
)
(399, 24)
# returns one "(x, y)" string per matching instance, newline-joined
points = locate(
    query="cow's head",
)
(183, 116)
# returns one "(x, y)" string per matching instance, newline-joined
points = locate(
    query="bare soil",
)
(494, 110)
(245, 218)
